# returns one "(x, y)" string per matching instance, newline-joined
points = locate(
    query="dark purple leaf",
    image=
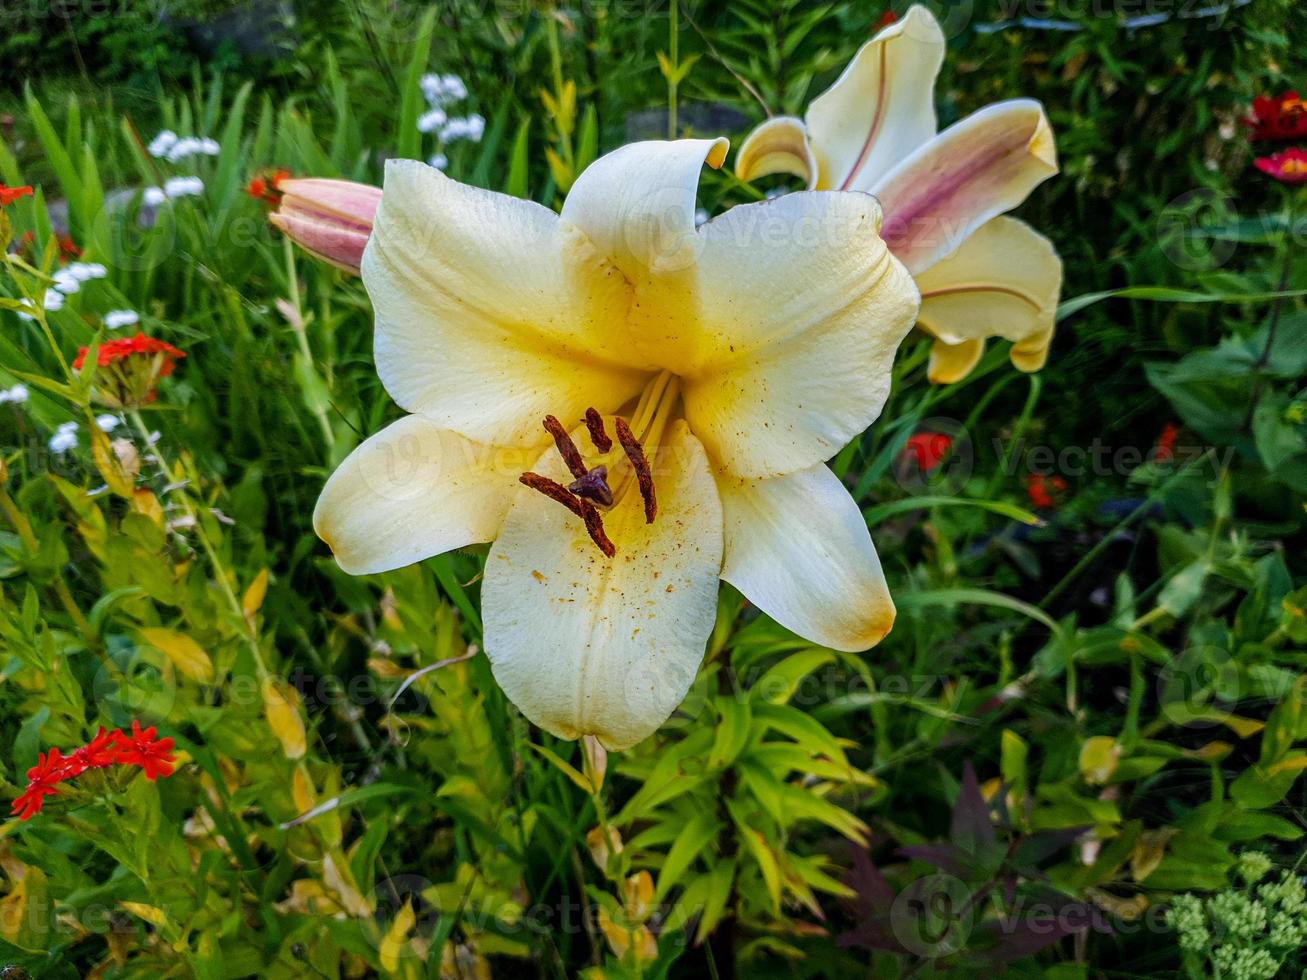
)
(971, 829)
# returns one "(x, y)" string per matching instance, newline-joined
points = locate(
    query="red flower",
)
(928, 449)
(8, 195)
(887, 18)
(1282, 117)
(1164, 450)
(128, 369)
(99, 752)
(51, 768)
(115, 748)
(267, 186)
(1043, 490)
(67, 247)
(144, 749)
(1288, 167)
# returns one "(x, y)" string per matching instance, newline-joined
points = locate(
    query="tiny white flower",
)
(106, 422)
(210, 146)
(186, 147)
(64, 438)
(183, 187)
(162, 143)
(66, 282)
(82, 271)
(700, 216)
(154, 196)
(439, 161)
(471, 127)
(14, 396)
(54, 300)
(775, 192)
(440, 89)
(430, 121)
(121, 318)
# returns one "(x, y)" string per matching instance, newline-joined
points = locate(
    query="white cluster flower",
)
(64, 438)
(69, 279)
(14, 396)
(121, 318)
(439, 161)
(53, 300)
(432, 120)
(471, 127)
(175, 187)
(107, 422)
(172, 188)
(174, 148)
(441, 89)
(700, 217)
(1238, 913)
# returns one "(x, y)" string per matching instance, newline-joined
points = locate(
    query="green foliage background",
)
(1124, 675)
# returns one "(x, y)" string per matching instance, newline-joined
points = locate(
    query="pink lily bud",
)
(329, 219)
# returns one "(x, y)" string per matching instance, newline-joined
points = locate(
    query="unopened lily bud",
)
(329, 219)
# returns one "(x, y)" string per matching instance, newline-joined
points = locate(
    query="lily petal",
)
(950, 363)
(799, 549)
(588, 645)
(777, 146)
(411, 491)
(1003, 282)
(491, 313)
(882, 107)
(1031, 353)
(637, 203)
(785, 334)
(973, 171)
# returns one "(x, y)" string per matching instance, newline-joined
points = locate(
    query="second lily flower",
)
(981, 274)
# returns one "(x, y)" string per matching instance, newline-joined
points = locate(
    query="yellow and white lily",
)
(981, 274)
(702, 377)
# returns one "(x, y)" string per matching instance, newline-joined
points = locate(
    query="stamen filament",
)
(582, 508)
(640, 464)
(598, 435)
(566, 447)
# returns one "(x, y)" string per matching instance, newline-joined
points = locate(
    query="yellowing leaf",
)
(1098, 758)
(152, 915)
(108, 465)
(392, 943)
(281, 707)
(183, 652)
(254, 595)
(1149, 850)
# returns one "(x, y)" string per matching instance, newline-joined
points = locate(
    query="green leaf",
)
(409, 146)
(1166, 294)
(732, 732)
(568, 770)
(693, 838)
(780, 682)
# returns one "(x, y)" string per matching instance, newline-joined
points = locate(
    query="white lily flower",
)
(715, 369)
(981, 275)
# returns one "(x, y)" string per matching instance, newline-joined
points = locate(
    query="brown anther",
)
(635, 453)
(566, 447)
(594, 524)
(598, 435)
(594, 486)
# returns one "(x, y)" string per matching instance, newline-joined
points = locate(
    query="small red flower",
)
(1165, 448)
(267, 186)
(887, 18)
(116, 748)
(927, 449)
(128, 369)
(1281, 117)
(1288, 167)
(99, 752)
(1044, 490)
(145, 749)
(8, 195)
(68, 248)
